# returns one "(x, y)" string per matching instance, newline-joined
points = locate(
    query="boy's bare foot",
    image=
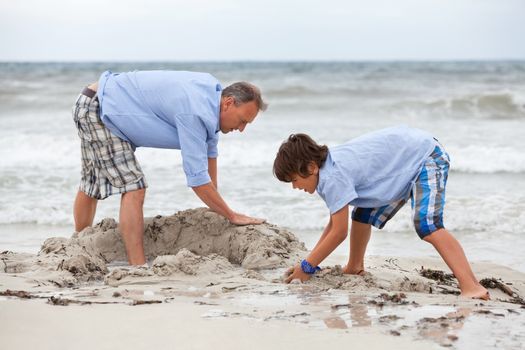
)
(480, 293)
(354, 271)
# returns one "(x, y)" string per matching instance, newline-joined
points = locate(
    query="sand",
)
(213, 284)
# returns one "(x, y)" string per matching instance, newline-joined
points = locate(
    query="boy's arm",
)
(325, 232)
(335, 236)
(330, 239)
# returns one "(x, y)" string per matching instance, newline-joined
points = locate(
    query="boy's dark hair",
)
(295, 154)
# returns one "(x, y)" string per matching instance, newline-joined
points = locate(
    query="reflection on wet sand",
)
(335, 322)
(359, 312)
(355, 311)
(444, 329)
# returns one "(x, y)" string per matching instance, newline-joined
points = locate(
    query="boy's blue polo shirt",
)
(165, 109)
(375, 169)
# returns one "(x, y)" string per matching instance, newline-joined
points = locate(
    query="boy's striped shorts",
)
(109, 165)
(427, 198)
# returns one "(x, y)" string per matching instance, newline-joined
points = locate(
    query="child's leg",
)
(362, 221)
(428, 201)
(359, 237)
(450, 250)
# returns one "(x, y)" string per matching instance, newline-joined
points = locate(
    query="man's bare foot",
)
(479, 293)
(354, 271)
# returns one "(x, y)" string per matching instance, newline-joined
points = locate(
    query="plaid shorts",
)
(109, 165)
(427, 198)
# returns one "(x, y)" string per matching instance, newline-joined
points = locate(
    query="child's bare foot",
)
(478, 293)
(354, 271)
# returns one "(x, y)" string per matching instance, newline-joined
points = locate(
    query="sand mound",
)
(190, 264)
(202, 232)
(184, 262)
(332, 277)
(196, 241)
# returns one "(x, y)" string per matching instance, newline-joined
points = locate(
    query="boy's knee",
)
(430, 236)
(427, 238)
(360, 226)
(360, 223)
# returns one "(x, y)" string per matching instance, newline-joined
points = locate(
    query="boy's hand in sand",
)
(296, 273)
(241, 219)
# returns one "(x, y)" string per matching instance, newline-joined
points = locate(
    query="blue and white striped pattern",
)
(428, 193)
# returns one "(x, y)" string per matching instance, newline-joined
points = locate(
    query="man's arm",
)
(212, 170)
(209, 195)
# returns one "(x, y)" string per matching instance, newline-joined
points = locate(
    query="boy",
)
(376, 174)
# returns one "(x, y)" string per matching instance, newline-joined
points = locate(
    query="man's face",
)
(236, 117)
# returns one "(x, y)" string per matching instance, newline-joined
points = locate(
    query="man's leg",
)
(84, 211)
(450, 250)
(359, 237)
(132, 225)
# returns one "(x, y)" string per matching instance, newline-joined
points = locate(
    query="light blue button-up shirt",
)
(375, 169)
(165, 109)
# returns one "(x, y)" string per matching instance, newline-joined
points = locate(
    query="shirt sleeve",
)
(194, 149)
(213, 152)
(338, 192)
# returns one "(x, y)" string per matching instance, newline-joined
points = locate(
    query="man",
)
(162, 109)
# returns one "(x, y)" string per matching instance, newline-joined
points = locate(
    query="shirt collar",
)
(324, 171)
(218, 113)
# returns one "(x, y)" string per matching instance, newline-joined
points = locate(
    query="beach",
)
(475, 109)
(213, 287)
(212, 284)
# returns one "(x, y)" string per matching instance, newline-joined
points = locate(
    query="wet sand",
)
(211, 284)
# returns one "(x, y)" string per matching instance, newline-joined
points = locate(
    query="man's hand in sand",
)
(296, 273)
(241, 219)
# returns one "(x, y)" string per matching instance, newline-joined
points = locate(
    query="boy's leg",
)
(428, 201)
(361, 229)
(132, 225)
(452, 252)
(84, 211)
(359, 237)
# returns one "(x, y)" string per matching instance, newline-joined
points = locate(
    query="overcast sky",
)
(211, 30)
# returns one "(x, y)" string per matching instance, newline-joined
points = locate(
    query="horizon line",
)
(403, 60)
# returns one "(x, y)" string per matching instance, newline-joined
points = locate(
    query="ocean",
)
(475, 109)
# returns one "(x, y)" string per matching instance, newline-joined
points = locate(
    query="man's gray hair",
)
(243, 92)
